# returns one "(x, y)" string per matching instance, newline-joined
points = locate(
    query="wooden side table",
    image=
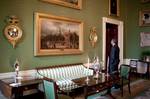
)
(16, 88)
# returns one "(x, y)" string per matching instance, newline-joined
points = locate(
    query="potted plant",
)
(146, 55)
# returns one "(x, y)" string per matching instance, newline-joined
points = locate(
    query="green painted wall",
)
(91, 14)
(132, 29)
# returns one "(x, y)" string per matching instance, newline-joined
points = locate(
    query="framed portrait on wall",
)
(77, 4)
(144, 18)
(114, 7)
(145, 39)
(55, 35)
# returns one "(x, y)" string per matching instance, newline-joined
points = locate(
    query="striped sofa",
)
(64, 74)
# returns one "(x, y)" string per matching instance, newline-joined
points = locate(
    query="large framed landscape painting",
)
(77, 4)
(56, 35)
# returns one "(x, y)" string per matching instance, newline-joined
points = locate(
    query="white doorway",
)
(119, 37)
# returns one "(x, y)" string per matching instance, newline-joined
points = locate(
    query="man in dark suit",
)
(114, 57)
(113, 62)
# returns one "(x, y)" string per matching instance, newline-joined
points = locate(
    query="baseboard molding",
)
(21, 73)
(126, 61)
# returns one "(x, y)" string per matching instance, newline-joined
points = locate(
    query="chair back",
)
(133, 63)
(125, 71)
(50, 89)
(142, 67)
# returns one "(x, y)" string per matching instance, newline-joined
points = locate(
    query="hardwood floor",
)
(136, 88)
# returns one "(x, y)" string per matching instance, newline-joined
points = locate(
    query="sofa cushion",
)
(63, 75)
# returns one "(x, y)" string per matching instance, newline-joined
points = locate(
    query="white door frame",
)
(120, 37)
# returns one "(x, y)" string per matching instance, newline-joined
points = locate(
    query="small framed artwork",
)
(77, 4)
(144, 18)
(145, 1)
(114, 7)
(55, 35)
(145, 39)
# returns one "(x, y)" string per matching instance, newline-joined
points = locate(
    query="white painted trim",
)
(127, 60)
(21, 73)
(7, 75)
(120, 37)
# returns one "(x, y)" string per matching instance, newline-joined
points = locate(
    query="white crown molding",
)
(120, 37)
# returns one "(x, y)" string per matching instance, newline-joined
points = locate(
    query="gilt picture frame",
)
(114, 8)
(77, 4)
(144, 39)
(55, 35)
(144, 18)
(145, 1)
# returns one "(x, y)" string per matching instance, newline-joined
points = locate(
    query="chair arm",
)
(51, 80)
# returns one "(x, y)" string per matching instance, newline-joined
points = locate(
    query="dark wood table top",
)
(24, 80)
(102, 79)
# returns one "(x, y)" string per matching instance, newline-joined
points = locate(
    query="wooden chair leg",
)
(146, 75)
(129, 88)
(122, 87)
(136, 74)
(129, 85)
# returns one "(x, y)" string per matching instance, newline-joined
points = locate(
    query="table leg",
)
(85, 92)
(148, 69)
(18, 93)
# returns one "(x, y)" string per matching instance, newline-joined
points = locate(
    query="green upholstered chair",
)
(125, 76)
(133, 64)
(50, 90)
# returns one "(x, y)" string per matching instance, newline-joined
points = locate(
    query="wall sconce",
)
(93, 37)
(12, 31)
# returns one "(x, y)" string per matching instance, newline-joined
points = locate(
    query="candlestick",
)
(88, 63)
(88, 66)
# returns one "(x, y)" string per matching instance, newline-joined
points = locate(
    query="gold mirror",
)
(93, 37)
(12, 31)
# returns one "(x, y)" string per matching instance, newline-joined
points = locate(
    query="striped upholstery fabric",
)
(64, 75)
(142, 67)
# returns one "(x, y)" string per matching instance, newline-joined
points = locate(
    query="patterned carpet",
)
(137, 88)
(143, 95)
(1, 96)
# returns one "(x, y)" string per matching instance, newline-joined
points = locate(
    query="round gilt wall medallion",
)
(12, 31)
